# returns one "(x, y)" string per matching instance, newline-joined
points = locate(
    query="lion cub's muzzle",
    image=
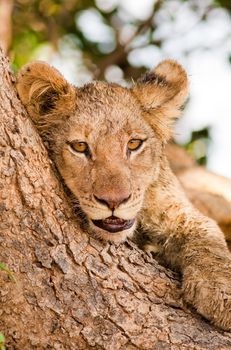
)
(112, 223)
(112, 215)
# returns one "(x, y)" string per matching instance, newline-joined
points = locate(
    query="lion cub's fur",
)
(107, 116)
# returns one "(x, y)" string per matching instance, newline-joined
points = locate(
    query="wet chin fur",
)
(111, 237)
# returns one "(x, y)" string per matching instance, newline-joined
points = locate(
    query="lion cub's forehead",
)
(106, 104)
(99, 93)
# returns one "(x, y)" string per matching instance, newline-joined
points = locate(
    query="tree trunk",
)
(6, 8)
(71, 291)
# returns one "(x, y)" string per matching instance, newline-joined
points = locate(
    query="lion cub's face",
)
(107, 155)
(106, 140)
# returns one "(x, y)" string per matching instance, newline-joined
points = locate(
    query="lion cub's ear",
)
(162, 92)
(47, 96)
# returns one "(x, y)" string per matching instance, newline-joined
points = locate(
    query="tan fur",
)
(107, 116)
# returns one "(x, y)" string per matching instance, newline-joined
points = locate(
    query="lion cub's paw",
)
(210, 293)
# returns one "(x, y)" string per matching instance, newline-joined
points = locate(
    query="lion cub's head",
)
(106, 140)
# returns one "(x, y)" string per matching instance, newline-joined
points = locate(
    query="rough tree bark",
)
(71, 291)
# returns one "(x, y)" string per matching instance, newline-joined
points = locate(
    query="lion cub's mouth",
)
(113, 224)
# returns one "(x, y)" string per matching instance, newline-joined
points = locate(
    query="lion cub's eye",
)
(79, 146)
(134, 144)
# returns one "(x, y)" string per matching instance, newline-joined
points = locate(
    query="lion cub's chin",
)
(115, 237)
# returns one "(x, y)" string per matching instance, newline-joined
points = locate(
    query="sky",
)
(202, 48)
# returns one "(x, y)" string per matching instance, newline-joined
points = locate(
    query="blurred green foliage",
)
(37, 23)
(198, 145)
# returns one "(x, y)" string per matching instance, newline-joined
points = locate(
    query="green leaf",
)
(2, 342)
(10, 274)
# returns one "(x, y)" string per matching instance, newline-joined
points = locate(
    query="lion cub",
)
(108, 143)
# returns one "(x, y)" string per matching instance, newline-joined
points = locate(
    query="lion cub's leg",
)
(195, 245)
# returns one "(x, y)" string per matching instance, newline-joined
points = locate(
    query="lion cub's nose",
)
(112, 202)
